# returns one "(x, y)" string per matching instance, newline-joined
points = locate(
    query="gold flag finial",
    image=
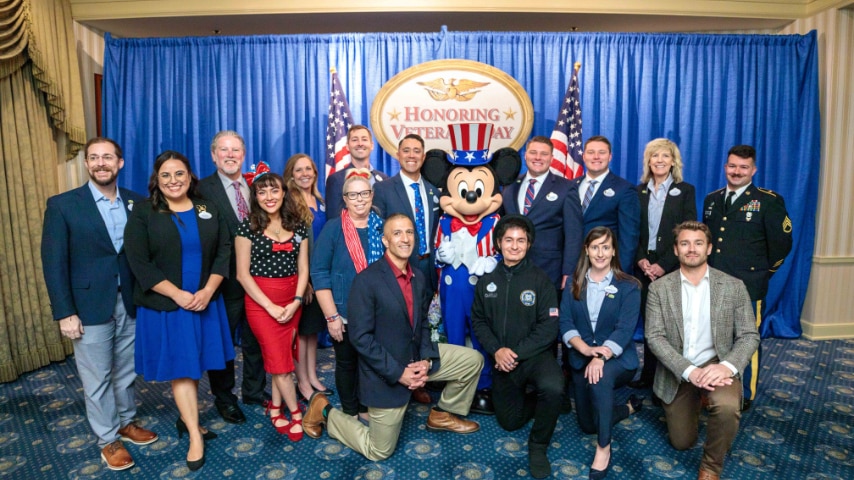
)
(332, 70)
(577, 66)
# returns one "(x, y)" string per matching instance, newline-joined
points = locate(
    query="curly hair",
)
(259, 218)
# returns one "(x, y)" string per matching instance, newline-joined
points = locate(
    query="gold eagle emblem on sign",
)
(461, 90)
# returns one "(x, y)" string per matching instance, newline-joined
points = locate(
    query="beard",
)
(104, 183)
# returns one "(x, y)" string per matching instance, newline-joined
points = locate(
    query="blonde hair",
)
(658, 145)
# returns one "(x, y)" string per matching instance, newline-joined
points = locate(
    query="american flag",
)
(566, 136)
(340, 120)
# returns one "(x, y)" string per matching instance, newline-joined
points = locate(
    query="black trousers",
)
(254, 377)
(513, 407)
(347, 375)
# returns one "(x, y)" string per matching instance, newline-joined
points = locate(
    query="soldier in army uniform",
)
(752, 235)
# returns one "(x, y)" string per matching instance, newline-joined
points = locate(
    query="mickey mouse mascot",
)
(464, 247)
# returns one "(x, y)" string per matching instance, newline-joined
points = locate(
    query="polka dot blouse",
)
(270, 258)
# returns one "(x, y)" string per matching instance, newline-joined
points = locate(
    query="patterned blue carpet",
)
(800, 427)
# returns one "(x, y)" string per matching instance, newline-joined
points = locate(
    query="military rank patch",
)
(787, 225)
(528, 298)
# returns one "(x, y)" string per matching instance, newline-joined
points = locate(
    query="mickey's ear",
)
(436, 167)
(507, 164)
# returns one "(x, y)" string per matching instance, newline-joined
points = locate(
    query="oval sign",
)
(425, 98)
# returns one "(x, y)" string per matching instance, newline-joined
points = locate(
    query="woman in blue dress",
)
(178, 248)
(301, 181)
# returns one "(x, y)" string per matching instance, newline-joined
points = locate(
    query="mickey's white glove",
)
(483, 265)
(446, 251)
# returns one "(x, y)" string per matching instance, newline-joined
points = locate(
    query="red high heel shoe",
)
(295, 436)
(283, 429)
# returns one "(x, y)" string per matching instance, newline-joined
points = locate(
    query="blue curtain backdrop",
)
(705, 92)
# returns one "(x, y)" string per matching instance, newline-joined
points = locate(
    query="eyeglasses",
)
(106, 158)
(178, 176)
(364, 194)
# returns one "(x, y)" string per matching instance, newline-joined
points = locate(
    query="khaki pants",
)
(459, 366)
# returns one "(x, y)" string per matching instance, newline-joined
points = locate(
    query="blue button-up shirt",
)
(656, 208)
(114, 215)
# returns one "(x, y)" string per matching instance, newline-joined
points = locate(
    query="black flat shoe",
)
(328, 392)
(182, 429)
(636, 404)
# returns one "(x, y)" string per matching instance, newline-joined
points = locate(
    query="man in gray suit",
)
(700, 326)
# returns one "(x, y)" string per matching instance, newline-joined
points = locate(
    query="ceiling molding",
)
(165, 18)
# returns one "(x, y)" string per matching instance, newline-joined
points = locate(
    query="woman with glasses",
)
(301, 182)
(271, 251)
(597, 319)
(178, 247)
(345, 247)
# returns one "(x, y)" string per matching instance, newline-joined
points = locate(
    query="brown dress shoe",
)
(420, 395)
(707, 475)
(137, 435)
(449, 422)
(312, 420)
(116, 456)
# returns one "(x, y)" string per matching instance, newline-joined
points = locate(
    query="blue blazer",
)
(558, 225)
(617, 320)
(331, 265)
(380, 331)
(620, 212)
(335, 191)
(80, 263)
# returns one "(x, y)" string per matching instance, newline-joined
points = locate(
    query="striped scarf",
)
(376, 249)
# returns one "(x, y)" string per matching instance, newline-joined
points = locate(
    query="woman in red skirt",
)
(272, 266)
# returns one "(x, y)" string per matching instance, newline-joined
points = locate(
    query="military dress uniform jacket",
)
(750, 239)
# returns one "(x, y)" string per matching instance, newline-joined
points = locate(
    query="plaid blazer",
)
(733, 327)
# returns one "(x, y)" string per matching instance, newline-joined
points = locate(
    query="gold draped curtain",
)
(41, 126)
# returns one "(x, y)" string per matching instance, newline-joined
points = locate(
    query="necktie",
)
(588, 195)
(529, 195)
(419, 219)
(729, 199)
(242, 207)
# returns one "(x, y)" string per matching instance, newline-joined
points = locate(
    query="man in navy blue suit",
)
(411, 194)
(90, 286)
(388, 327)
(608, 200)
(360, 144)
(543, 198)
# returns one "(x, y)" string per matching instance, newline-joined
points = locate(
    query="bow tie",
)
(457, 224)
(283, 247)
